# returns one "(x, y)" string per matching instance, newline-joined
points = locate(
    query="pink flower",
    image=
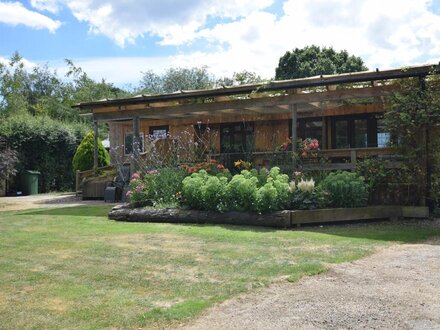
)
(152, 172)
(140, 188)
(129, 193)
(136, 175)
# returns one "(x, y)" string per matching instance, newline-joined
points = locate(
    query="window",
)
(308, 128)
(159, 132)
(359, 132)
(128, 143)
(383, 137)
(236, 137)
(342, 136)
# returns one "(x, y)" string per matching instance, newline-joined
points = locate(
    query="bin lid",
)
(32, 172)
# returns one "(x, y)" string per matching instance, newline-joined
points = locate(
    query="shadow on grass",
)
(406, 231)
(83, 211)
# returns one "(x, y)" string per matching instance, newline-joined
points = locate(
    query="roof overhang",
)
(309, 94)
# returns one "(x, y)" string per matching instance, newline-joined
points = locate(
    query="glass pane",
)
(159, 133)
(341, 134)
(128, 143)
(383, 137)
(360, 133)
(313, 129)
(226, 143)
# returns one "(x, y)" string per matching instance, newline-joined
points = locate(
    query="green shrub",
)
(205, 192)
(267, 198)
(44, 145)
(165, 184)
(84, 156)
(156, 187)
(274, 194)
(345, 189)
(242, 191)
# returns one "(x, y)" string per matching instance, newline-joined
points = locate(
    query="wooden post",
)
(353, 159)
(323, 143)
(77, 177)
(294, 111)
(95, 145)
(136, 143)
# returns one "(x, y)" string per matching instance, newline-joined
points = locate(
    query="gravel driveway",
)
(396, 288)
(43, 200)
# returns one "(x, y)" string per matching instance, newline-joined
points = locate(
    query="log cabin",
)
(344, 112)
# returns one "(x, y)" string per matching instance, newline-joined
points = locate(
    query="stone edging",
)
(280, 219)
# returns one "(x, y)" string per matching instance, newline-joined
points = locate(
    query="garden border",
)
(280, 219)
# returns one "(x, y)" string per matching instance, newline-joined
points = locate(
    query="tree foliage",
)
(240, 78)
(413, 119)
(84, 155)
(175, 79)
(8, 160)
(313, 60)
(45, 145)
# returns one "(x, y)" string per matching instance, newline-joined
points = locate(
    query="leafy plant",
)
(8, 160)
(156, 187)
(345, 189)
(242, 190)
(274, 194)
(84, 156)
(44, 145)
(205, 192)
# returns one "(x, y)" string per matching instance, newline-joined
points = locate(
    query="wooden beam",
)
(294, 109)
(338, 95)
(136, 143)
(273, 86)
(95, 145)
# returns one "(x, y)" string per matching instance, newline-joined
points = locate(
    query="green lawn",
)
(74, 268)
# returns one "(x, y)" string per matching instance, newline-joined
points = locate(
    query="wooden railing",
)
(329, 159)
(81, 175)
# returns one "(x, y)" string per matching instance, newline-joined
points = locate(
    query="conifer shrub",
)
(84, 156)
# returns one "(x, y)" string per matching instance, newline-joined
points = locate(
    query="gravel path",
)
(43, 200)
(396, 288)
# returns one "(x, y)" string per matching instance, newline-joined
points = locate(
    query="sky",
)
(119, 39)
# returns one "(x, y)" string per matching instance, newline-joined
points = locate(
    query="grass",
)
(73, 268)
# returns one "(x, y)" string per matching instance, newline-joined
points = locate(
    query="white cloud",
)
(52, 6)
(385, 34)
(14, 13)
(117, 70)
(27, 64)
(174, 21)
(238, 35)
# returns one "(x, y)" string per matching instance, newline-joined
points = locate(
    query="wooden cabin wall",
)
(271, 130)
(269, 135)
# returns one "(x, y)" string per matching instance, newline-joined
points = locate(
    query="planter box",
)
(345, 214)
(280, 219)
(94, 189)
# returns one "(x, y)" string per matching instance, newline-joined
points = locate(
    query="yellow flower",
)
(237, 163)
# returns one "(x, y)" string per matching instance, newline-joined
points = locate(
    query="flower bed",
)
(279, 219)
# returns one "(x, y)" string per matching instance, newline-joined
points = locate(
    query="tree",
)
(240, 78)
(175, 79)
(313, 61)
(83, 159)
(8, 160)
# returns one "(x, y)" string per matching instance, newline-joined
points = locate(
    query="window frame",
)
(351, 130)
(151, 130)
(141, 139)
(244, 136)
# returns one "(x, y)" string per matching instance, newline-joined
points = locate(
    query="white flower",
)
(292, 186)
(306, 185)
